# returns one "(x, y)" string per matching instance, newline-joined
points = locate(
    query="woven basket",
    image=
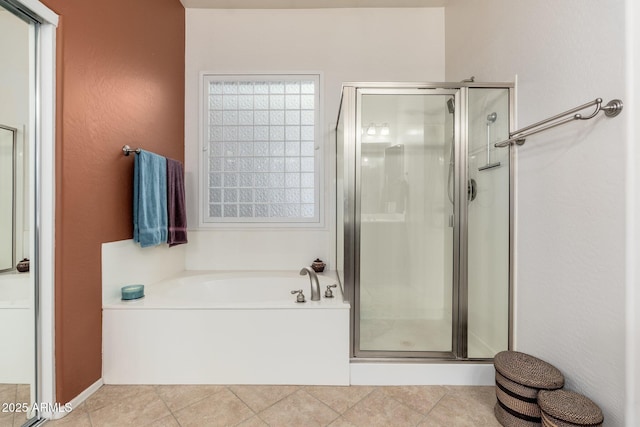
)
(506, 419)
(519, 378)
(564, 408)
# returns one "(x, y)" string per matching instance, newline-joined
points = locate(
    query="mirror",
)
(17, 295)
(8, 137)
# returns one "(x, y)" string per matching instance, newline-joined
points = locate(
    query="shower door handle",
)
(472, 190)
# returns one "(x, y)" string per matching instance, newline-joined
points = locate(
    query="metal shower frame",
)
(349, 282)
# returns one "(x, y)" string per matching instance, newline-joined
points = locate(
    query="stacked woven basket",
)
(530, 394)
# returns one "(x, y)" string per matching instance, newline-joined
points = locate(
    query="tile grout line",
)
(228, 387)
(403, 404)
(175, 419)
(255, 414)
(433, 407)
(155, 390)
(315, 398)
(199, 399)
(363, 397)
(359, 400)
(88, 414)
(262, 410)
(262, 419)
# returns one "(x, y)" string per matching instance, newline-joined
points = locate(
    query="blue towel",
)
(149, 199)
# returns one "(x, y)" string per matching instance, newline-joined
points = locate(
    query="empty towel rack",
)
(611, 109)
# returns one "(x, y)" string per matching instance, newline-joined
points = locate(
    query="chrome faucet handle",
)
(300, 297)
(329, 293)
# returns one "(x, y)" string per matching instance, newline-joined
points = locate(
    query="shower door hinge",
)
(452, 220)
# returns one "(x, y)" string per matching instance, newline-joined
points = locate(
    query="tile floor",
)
(13, 393)
(303, 406)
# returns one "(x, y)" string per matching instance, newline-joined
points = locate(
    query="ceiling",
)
(307, 4)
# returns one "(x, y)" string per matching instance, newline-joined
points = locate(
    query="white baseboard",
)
(76, 401)
(422, 374)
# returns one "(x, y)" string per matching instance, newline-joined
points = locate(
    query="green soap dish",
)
(131, 292)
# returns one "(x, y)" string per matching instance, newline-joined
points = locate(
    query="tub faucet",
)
(315, 284)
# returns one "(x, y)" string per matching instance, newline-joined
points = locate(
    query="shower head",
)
(491, 118)
(451, 105)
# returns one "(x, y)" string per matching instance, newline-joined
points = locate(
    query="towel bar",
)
(126, 150)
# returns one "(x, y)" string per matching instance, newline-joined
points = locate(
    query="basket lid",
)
(527, 370)
(570, 406)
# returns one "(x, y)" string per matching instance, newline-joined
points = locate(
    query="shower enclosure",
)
(424, 218)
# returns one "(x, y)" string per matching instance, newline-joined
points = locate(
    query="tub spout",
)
(315, 284)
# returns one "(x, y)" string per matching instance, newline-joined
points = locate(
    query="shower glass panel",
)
(423, 210)
(404, 207)
(488, 223)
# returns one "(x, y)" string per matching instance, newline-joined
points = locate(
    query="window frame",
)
(207, 222)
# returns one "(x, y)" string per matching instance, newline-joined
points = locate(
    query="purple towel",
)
(176, 208)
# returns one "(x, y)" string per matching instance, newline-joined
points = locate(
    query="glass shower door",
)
(488, 227)
(405, 173)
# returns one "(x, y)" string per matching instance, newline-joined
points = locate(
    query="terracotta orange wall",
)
(120, 80)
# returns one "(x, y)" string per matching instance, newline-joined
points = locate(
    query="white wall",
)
(344, 45)
(570, 181)
(633, 210)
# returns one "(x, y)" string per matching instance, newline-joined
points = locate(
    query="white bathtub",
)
(17, 330)
(227, 328)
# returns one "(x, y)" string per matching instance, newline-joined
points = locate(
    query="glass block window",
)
(260, 145)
